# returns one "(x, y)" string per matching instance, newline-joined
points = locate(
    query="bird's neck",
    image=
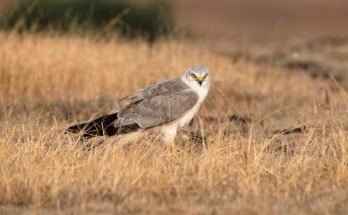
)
(201, 90)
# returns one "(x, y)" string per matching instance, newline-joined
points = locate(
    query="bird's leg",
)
(169, 133)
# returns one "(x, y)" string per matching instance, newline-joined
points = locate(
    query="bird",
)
(169, 105)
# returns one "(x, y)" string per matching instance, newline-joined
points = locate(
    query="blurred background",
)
(306, 35)
(263, 22)
(239, 23)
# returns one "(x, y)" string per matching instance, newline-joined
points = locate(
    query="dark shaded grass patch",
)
(150, 19)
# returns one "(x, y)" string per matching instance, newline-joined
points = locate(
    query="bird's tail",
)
(102, 126)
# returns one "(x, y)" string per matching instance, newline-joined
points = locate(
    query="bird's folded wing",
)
(127, 101)
(159, 109)
(170, 86)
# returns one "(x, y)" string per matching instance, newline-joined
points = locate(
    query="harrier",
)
(169, 104)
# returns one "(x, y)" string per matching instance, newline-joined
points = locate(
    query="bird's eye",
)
(193, 75)
(205, 76)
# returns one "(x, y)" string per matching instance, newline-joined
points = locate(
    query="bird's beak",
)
(200, 79)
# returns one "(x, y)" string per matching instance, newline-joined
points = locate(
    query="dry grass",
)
(47, 82)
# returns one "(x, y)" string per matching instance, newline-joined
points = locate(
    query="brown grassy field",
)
(48, 82)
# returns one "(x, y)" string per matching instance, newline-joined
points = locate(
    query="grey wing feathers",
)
(159, 109)
(170, 86)
(160, 88)
(127, 101)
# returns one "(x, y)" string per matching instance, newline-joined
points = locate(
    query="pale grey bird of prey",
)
(170, 104)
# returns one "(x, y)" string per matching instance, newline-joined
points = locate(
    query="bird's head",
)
(198, 76)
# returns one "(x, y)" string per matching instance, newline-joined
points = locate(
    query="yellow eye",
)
(193, 75)
(205, 76)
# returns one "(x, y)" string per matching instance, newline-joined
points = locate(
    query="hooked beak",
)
(200, 80)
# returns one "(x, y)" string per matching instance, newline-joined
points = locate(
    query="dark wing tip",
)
(102, 126)
(97, 127)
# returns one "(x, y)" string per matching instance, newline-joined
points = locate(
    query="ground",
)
(240, 155)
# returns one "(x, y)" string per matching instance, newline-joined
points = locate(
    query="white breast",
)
(186, 119)
(202, 93)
